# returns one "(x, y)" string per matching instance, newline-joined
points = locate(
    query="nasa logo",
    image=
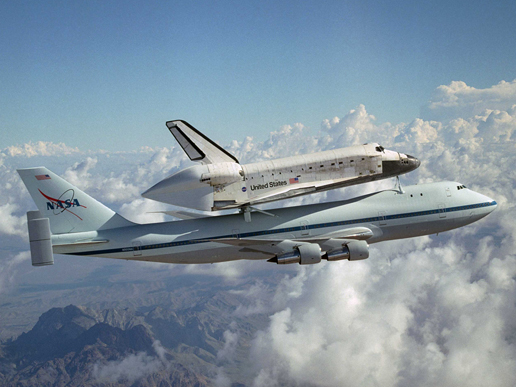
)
(244, 189)
(65, 201)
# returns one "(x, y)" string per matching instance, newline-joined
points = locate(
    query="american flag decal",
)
(42, 177)
(294, 180)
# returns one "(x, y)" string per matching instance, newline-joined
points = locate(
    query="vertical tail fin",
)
(197, 146)
(68, 208)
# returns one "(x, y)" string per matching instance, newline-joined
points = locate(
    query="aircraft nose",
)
(395, 164)
(487, 206)
(413, 162)
(492, 204)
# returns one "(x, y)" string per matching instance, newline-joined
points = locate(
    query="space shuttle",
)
(220, 182)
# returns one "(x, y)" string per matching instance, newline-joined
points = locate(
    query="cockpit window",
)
(459, 187)
(380, 148)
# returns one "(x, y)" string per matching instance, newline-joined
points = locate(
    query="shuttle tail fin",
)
(68, 209)
(197, 146)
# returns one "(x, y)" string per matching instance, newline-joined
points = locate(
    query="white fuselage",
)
(420, 210)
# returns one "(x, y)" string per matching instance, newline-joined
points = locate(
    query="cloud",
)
(132, 367)
(230, 343)
(460, 100)
(12, 224)
(143, 211)
(10, 265)
(40, 148)
(427, 317)
(425, 311)
(231, 272)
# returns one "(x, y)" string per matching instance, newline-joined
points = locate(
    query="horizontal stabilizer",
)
(197, 146)
(88, 242)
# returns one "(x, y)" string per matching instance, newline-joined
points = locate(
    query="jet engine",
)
(353, 251)
(304, 255)
(311, 253)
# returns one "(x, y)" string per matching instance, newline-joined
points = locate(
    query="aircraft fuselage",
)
(420, 210)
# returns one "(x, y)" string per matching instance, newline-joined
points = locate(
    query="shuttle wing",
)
(197, 146)
(295, 190)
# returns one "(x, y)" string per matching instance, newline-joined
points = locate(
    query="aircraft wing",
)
(197, 146)
(184, 215)
(275, 246)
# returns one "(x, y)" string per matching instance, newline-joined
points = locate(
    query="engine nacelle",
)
(303, 254)
(222, 174)
(40, 239)
(353, 251)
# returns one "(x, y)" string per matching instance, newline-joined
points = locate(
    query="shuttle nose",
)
(395, 164)
(413, 163)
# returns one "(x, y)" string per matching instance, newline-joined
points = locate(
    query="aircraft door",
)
(137, 248)
(381, 218)
(442, 211)
(305, 231)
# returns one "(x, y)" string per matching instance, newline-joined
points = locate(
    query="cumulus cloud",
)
(40, 148)
(460, 100)
(231, 336)
(132, 367)
(12, 224)
(10, 265)
(427, 317)
(231, 272)
(143, 211)
(79, 173)
(426, 311)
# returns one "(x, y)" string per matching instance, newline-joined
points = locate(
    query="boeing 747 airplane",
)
(68, 221)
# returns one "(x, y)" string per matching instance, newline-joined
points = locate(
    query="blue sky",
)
(97, 74)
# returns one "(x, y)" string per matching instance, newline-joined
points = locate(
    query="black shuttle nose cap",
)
(413, 162)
